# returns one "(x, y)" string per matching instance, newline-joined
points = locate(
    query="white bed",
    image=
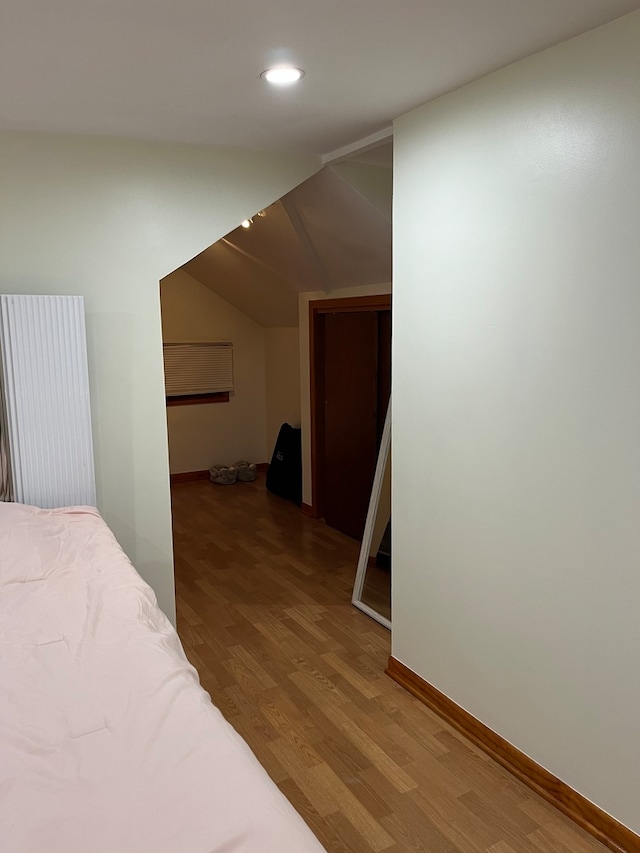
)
(108, 744)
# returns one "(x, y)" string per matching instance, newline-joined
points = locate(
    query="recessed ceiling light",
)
(247, 223)
(282, 75)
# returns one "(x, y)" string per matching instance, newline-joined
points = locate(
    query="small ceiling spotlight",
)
(282, 75)
(247, 223)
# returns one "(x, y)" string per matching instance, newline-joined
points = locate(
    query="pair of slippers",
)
(227, 475)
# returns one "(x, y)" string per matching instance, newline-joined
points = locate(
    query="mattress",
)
(108, 744)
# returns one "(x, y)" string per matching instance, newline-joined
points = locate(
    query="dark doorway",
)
(351, 384)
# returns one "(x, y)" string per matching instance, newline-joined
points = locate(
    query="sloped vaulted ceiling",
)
(331, 232)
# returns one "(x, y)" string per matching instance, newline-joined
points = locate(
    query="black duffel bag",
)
(284, 477)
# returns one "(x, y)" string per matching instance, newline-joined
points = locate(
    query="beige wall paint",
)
(108, 219)
(375, 183)
(516, 406)
(282, 369)
(200, 436)
(305, 404)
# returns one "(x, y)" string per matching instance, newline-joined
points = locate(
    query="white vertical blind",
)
(198, 368)
(46, 395)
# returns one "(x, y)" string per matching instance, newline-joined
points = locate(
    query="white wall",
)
(516, 407)
(305, 388)
(108, 219)
(282, 369)
(202, 435)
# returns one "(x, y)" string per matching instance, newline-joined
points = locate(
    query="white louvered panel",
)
(46, 390)
(201, 368)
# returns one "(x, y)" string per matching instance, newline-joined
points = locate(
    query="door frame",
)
(317, 309)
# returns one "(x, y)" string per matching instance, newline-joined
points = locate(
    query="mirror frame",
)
(363, 561)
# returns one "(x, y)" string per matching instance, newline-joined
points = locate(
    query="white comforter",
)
(108, 744)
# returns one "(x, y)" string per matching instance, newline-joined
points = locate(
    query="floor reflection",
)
(376, 592)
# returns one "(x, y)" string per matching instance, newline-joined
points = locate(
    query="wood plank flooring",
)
(264, 614)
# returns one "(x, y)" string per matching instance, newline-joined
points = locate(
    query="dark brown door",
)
(351, 417)
(384, 369)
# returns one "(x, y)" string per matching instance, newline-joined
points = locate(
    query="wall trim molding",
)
(189, 476)
(359, 147)
(581, 811)
(308, 510)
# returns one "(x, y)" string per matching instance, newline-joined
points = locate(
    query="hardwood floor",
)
(264, 614)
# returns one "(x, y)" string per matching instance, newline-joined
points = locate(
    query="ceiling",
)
(330, 232)
(188, 70)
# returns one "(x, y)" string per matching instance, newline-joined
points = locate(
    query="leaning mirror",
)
(372, 587)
